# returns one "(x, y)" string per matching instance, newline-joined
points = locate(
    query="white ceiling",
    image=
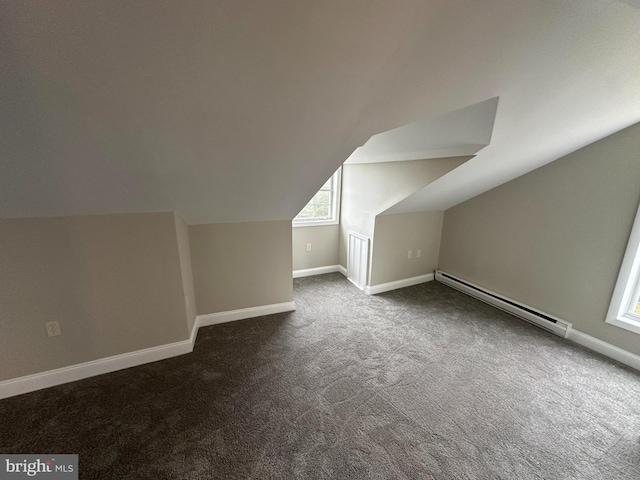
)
(239, 111)
(455, 134)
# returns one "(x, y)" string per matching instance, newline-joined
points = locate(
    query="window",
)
(324, 207)
(624, 310)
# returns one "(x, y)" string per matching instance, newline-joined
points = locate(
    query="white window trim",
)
(625, 294)
(335, 217)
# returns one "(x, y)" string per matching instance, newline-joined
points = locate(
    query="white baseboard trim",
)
(241, 314)
(309, 272)
(406, 282)
(528, 313)
(342, 270)
(37, 381)
(563, 329)
(59, 376)
(605, 348)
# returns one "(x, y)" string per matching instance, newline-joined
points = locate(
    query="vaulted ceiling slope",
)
(457, 133)
(231, 111)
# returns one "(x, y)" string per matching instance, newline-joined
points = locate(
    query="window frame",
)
(621, 311)
(334, 219)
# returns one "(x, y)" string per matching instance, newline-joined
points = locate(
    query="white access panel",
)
(357, 259)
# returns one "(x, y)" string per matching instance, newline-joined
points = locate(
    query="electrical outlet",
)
(419, 253)
(410, 254)
(53, 329)
(308, 247)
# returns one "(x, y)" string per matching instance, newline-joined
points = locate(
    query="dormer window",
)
(324, 207)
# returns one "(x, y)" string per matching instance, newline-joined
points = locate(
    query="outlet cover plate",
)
(53, 329)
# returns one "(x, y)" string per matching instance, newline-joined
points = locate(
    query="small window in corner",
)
(324, 207)
(624, 310)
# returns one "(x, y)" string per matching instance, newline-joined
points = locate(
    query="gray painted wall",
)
(554, 238)
(324, 246)
(395, 235)
(241, 265)
(112, 281)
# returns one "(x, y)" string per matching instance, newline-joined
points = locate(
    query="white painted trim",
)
(342, 270)
(59, 376)
(241, 314)
(605, 348)
(625, 321)
(194, 331)
(561, 327)
(359, 235)
(406, 282)
(592, 343)
(315, 223)
(37, 381)
(625, 293)
(356, 262)
(309, 272)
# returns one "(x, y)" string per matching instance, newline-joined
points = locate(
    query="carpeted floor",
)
(419, 383)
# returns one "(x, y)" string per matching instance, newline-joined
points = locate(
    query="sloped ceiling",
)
(458, 133)
(231, 111)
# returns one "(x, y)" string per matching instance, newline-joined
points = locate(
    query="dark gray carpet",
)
(419, 383)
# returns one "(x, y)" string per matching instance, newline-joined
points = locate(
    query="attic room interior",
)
(466, 307)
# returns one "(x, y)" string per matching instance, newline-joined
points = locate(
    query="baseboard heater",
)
(531, 315)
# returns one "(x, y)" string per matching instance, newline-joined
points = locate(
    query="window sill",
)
(625, 322)
(317, 223)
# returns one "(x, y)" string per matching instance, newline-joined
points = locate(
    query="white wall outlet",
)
(308, 247)
(53, 329)
(419, 253)
(410, 254)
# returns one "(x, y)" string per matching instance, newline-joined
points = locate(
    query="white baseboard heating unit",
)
(530, 314)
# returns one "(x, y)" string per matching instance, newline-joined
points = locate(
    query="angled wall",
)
(370, 189)
(324, 240)
(241, 265)
(113, 282)
(395, 235)
(555, 237)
